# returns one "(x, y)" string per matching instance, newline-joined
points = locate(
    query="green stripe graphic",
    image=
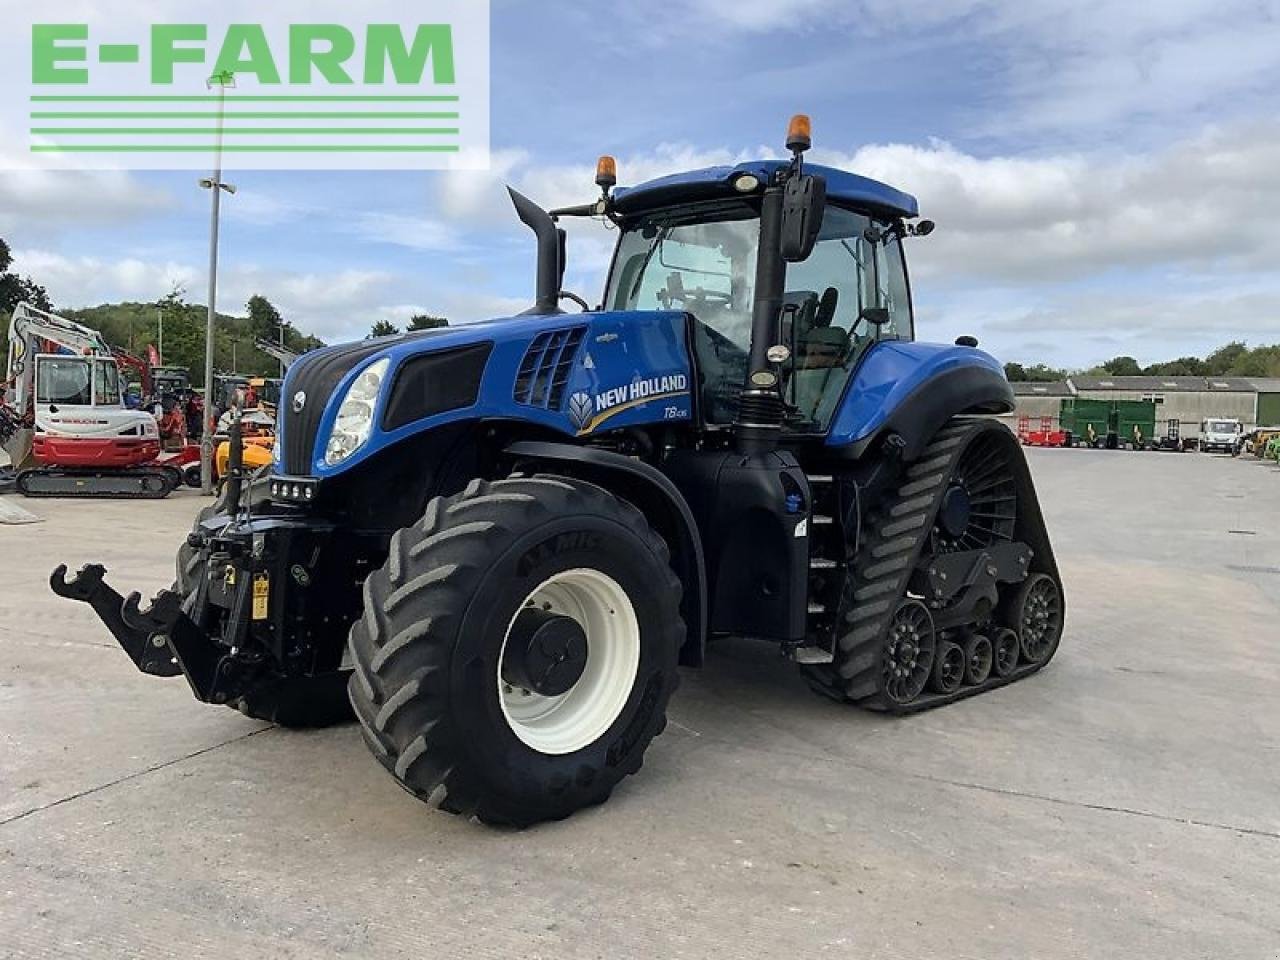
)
(245, 148)
(118, 53)
(257, 98)
(233, 114)
(237, 131)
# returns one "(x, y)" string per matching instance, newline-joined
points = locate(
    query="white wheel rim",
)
(580, 716)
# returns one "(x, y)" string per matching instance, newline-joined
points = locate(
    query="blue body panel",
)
(632, 368)
(843, 187)
(888, 374)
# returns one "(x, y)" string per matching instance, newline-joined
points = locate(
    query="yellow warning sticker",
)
(261, 594)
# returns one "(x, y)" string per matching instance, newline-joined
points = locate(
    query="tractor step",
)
(810, 654)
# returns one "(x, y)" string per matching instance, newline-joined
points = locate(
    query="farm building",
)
(1037, 400)
(1252, 400)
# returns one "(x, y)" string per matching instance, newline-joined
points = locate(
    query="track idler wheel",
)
(1037, 616)
(1004, 652)
(948, 668)
(977, 659)
(908, 652)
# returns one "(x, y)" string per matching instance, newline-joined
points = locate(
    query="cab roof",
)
(712, 183)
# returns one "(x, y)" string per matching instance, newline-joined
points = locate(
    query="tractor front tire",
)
(298, 702)
(518, 649)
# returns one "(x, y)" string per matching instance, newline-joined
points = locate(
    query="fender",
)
(664, 506)
(912, 389)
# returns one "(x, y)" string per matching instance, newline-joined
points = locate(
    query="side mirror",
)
(804, 200)
(876, 316)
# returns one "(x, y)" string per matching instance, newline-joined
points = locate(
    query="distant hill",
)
(133, 326)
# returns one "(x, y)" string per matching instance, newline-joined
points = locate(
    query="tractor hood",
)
(569, 373)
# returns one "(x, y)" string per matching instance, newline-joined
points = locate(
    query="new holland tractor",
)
(494, 543)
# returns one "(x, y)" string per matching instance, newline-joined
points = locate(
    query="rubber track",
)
(882, 569)
(401, 656)
(36, 473)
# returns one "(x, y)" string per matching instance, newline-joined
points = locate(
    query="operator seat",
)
(820, 348)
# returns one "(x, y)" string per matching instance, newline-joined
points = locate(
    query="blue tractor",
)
(494, 543)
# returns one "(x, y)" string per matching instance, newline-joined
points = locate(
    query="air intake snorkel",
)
(790, 217)
(550, 254)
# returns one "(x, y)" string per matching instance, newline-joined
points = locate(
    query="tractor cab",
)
(848, 294)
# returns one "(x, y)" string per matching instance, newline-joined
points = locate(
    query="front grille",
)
(317, 375)
(433, 383)
(544, 371)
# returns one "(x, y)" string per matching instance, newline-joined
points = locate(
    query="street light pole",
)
(215, 185)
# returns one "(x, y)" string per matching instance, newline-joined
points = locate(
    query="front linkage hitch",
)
(161, 640)
(170, 636)
(150, 652)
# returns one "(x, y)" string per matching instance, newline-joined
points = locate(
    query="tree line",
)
(176, 327)
(1235, 359)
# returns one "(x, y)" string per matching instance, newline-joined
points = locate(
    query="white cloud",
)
(1206, 202)
(1012, 220)
(81, 281)
(402, 230)
(332, 306)
(1079, 330)
(36, 204)
(265, 210)
(1058, 67)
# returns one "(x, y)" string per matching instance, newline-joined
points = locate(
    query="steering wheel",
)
(711, 297)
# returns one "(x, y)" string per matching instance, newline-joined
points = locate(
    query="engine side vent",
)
(545, 369)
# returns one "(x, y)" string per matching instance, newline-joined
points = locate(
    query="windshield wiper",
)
(653, 248)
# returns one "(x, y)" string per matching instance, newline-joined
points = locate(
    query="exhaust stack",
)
(550, 254)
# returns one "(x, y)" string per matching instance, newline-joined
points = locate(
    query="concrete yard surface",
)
(1124, 802)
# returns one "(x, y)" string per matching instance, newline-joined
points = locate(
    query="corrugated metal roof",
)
(1177, 384)
(1032, 388)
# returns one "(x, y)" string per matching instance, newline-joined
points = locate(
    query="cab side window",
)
(831, 303)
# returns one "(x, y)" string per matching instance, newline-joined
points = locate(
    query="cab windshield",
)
(703, 259)
(67, 381)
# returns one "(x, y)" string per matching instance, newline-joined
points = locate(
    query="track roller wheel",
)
(1037, 616)
(908, 652)
(1004, 652)
(977, 659)
(948, 668)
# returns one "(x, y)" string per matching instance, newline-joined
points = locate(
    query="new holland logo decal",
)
(587, 412)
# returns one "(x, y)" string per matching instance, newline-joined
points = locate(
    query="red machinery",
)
(62, 388)
(1047, 436)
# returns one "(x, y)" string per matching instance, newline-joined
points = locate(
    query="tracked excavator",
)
(67, 430)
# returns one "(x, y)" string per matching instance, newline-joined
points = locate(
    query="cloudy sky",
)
(1105, 175)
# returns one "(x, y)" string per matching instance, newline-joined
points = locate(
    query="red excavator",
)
(65, 428)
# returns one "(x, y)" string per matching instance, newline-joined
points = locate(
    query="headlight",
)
(354, 422)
